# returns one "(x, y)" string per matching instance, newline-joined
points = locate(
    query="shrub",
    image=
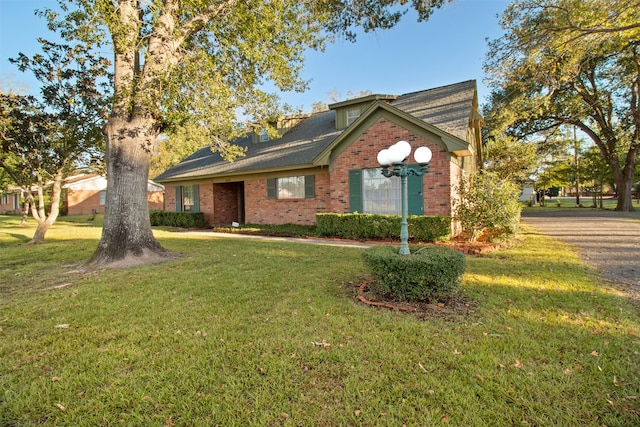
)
(487, 203)
(177, 219)
(383, 227)
(428, 274)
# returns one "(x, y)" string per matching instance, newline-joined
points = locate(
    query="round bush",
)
(428, 274)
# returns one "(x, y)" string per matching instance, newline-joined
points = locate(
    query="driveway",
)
(608, 240)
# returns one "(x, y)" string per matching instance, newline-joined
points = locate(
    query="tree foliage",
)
(203, 62)
(572, 62)
(43, 139)
(510, 159)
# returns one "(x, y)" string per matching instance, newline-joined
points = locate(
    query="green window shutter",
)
(309, 186)
(271, 188)
(178, 198)
(415, 200)
(355, 190)
(196, 198)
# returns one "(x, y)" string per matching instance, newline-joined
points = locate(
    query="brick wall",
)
(83, 202)
(363, 153)
(260, 210)
(226, 203)
(156, 200)
(170, 198)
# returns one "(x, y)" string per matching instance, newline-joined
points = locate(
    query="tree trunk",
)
(127, 238)
(45, 222)
(624, 180)
(625, 197)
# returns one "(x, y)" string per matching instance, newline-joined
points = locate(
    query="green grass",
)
(224, 335)
(552, 203)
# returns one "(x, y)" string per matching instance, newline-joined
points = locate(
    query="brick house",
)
(85, 194)
(10, 201)
(327, 162)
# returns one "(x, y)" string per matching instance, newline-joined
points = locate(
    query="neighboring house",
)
(327, 162)
(85, 194)
(528, 194)
(10, 201)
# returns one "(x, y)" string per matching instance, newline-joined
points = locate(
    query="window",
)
(4, 199)
(263, 136)
(373, 193)
(352, 115)
(103, 197)
(380, 195)
(291, 187)
(187, 198)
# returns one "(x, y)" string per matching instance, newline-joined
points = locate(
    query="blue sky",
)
(449, 48)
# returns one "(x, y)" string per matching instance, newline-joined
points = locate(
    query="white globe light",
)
(422, 155)
(404, 147)
(396, 154)
(383, 157)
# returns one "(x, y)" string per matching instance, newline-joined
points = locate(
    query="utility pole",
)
(576, 150)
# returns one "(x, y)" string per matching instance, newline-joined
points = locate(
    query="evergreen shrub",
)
(177, 219)
(382, 227)
(428, 274)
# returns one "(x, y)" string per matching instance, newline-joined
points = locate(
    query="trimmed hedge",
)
(429, 274)
(177, 219)
(384, 227)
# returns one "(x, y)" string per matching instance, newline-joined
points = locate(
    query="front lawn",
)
(238, 332)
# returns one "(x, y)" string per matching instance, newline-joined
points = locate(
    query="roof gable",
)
(443, 113)
(379, 109)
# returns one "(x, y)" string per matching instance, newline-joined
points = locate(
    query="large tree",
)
(42, 139)
(198, 61)
(573, 62)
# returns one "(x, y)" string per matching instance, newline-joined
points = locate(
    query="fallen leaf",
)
(54, 379)
(456, 351)
(594, 353)
(357, 412)
(422, 367)
(444, 419)
(480, 378)
(518, 365)
(62, 408)
(62, 326)
(284, 415)
(567, 371)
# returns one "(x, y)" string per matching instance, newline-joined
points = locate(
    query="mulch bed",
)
(454, 307)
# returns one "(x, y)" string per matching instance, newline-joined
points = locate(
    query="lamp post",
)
(393, 162)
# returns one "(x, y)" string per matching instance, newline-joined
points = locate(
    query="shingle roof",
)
(447, 108)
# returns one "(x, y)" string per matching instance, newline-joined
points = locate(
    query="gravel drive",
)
(608, 240)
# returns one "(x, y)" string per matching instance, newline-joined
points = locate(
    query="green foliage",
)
(568, 62)
(177, 219)
(431, 273)
(385, 227)
(510, 159)
(487, 204)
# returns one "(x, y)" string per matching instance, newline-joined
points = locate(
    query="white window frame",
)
(352, 115)
(188, 200)
(291, 187)
(381, 195)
